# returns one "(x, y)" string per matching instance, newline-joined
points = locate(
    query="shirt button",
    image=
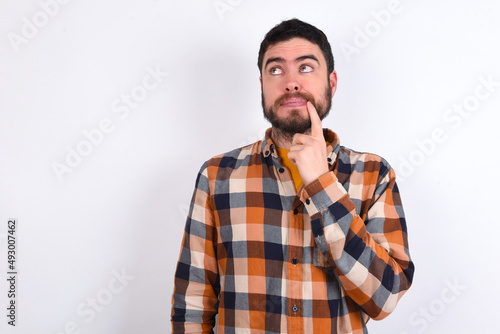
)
(308, 201)
(329, 159)
(295, 211)
(295, 308)
(281, 170)
(267, 152)
(295, 261)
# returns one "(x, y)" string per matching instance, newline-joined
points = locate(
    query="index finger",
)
(316, 126)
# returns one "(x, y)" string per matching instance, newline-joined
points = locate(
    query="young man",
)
(294, 233)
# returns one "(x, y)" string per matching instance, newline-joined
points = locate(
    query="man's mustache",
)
(305, 96)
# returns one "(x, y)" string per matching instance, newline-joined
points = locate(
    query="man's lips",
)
(294, 102)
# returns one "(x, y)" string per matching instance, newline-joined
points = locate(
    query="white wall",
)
(121, 210)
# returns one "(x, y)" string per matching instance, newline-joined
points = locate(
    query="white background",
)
(122, 208)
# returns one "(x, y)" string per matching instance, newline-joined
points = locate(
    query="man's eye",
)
(305, 68)
(276, 70)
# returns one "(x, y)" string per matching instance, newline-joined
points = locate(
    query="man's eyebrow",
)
(299, 59)
(313, 57)
(275, 59)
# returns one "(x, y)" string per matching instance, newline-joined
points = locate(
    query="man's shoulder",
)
(351, 160)
(237, 157)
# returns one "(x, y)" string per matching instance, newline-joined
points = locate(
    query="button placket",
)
(294, 267)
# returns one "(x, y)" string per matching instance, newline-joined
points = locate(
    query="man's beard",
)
(295, 123)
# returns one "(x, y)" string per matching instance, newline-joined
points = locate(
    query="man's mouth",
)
(294, 102)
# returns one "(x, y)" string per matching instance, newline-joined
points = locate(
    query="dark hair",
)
(289, 29)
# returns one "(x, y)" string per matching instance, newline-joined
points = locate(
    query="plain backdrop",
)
(145, 91)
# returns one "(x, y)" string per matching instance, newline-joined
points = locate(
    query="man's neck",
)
(283, 139)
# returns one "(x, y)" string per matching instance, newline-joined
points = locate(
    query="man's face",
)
(294, 72)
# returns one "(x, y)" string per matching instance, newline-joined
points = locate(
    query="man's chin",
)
(295, 112)
(289, 122)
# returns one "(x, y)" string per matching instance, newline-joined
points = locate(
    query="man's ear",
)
(333, 82)
(260, 79)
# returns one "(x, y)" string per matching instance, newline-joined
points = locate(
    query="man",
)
(294, 233)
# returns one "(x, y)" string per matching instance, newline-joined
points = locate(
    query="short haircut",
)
(289, 29)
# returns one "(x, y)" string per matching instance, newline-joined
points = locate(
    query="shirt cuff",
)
(321, 193)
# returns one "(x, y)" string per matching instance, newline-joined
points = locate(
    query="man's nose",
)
(292, 84)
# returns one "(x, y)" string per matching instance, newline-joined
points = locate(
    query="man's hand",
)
(308, 152)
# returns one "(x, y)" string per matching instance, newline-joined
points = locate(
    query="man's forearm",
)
(370, 257)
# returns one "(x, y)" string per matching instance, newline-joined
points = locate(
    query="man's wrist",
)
(321, 193)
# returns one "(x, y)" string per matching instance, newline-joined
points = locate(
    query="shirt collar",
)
(332, 150)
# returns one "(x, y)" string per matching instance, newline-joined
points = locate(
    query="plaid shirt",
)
(270, 260)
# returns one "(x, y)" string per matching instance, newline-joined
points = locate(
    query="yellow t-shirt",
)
(294, 170)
